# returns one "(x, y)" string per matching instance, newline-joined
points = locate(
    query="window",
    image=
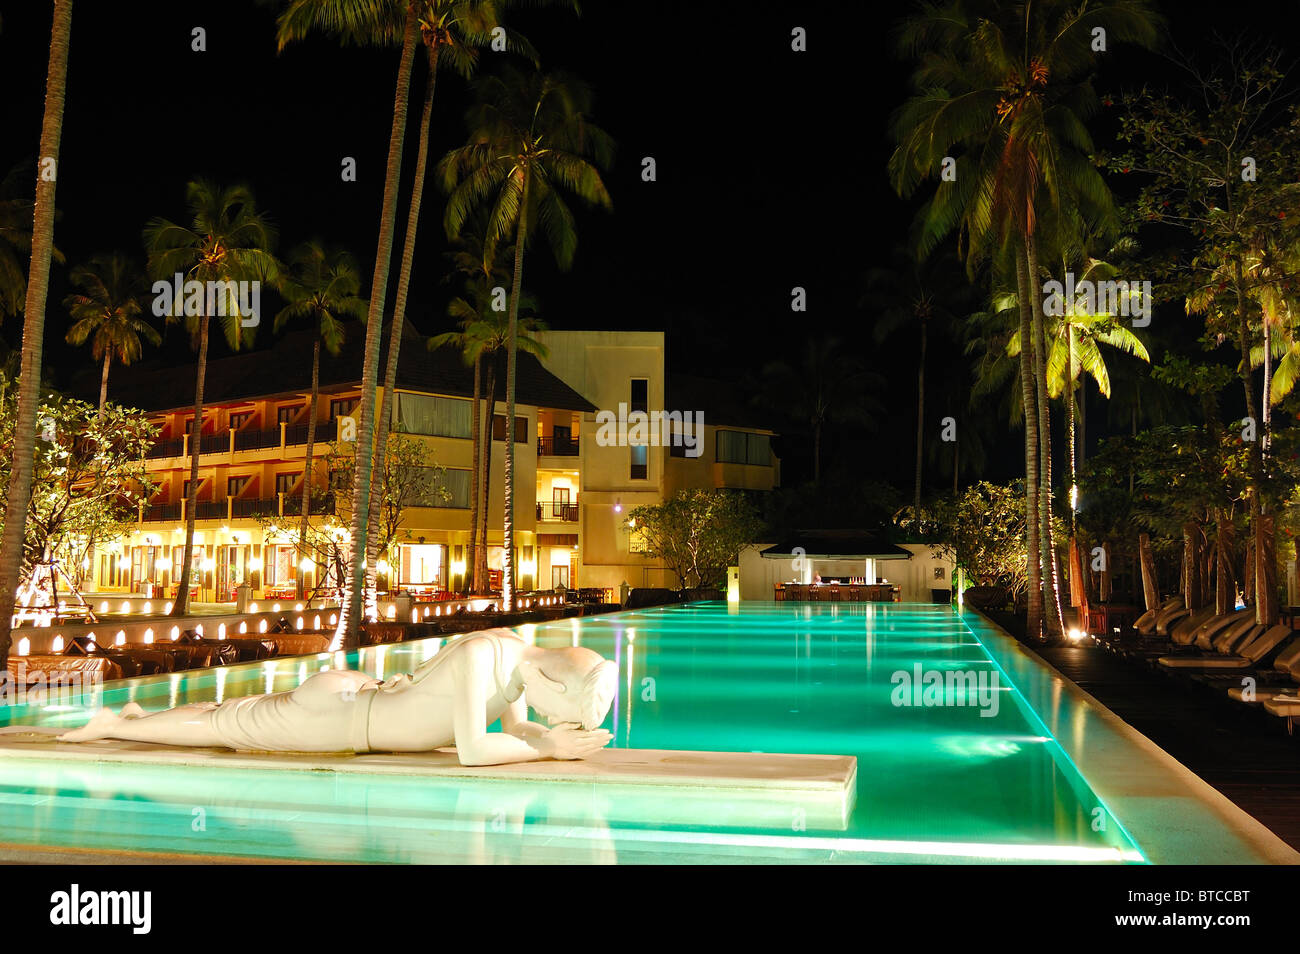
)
(235, 485)
(738, 447)
(189, 483)
(342, 408)
(456, 483)
(433, 416)
(284, 482)
(640, 395)
(640, 465)
(499, 428)
(285, 415)
(239, 420)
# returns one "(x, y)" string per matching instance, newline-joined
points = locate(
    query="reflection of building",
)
(573, 532)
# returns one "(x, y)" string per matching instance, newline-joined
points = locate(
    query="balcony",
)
(564, 447)
(158, 512)
(562, 512)
(257, 440)
(295, 434)
(172, 447)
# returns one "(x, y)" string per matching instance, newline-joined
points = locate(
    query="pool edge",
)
(1209, 829)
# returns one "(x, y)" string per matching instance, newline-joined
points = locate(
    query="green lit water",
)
(935, 782)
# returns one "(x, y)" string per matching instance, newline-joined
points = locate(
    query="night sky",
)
(771, 168)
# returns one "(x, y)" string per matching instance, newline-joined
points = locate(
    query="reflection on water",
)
(770, 678)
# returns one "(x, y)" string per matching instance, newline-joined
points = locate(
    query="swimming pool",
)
(971, 773)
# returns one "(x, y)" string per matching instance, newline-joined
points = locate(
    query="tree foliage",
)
(698, 533)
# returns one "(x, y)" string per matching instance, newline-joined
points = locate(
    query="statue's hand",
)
(568, 741)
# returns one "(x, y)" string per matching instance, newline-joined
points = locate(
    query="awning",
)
(835, 545)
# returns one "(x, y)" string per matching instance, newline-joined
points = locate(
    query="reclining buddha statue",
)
(451, 699)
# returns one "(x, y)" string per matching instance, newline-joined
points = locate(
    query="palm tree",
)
(321, 286)
(16, 216)
(38, 288)
(483, 336)
(828, 384)
(107, 313)
(373, 22)
(227, 241)
(911, 292)
(1005, 91)
(530, 142)
(453, 31)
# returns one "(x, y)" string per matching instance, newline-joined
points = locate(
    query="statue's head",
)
(571, 684)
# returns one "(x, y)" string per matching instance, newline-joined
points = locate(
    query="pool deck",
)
(1174, 814)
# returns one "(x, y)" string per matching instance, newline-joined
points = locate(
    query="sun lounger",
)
(1169, 617)
(1186, 634)
(1146, 623)
(1227, 640)
(1181, 632)
(1249, 655)
(1279, 680)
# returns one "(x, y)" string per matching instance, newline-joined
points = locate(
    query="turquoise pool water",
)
(978, 778)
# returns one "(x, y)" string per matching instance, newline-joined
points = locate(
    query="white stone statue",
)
(451, 699)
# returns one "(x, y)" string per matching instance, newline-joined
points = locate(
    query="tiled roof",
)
(283, 366)
(837, 544)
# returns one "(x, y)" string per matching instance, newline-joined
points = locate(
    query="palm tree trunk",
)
(38, 287)
(348, 631)
(920, 421)
(303, 522)
(1147, 564)
(481, 575)
(103, 380)
(1029, 399)
(1051, 577)
(181, 606)
(508, 486)
(471, 560)
(387, 404)
(956, 464)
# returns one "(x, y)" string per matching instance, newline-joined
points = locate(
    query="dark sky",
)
(770, 162)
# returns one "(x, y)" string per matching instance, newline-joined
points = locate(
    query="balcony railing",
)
(257, 440)
(211, 510)
(254, 507)
(161, 511)
(567, 512)
(564, 447)
(295, 434)
(171, 447)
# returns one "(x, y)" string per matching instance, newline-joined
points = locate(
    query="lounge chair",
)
(1189, 635)
(1249, 655)
(1278, 680)
(1145, 624)
(1180, 632)
(1169, 617)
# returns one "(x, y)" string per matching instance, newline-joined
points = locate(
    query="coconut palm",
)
(366, 22)
(453, 32)
(826, 383)
(483, 336)
(1002, 97)
(107, 313)
(320, 286)
(38, 288)
(16, 211)
(912, 293)
(531, 142)
(226, 241)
